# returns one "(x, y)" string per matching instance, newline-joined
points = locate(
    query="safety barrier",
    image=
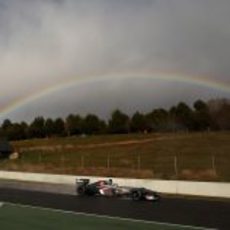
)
(209, 189)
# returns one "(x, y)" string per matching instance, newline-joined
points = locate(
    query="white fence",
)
(210, 189)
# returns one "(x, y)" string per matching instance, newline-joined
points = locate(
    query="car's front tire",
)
(136, 195)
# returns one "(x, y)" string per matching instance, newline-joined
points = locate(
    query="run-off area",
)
(23, 217)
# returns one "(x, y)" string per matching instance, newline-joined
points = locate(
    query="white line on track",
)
(109, 217)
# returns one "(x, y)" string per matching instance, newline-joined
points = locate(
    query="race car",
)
(109, 189)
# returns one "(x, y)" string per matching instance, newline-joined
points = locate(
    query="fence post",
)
(63, 163)
(108, 161)
(214, 163)
(175, 166)
(82, 161)
(138, 161)
(40, 158)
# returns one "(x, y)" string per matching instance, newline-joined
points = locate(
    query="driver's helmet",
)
(101, 183)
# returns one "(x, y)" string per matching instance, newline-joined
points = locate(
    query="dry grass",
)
(199, 175)
(192, 156)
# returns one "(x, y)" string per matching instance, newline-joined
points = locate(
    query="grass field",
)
(192, 156)
(20, 217)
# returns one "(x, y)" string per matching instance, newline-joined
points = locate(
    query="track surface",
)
(210, 214)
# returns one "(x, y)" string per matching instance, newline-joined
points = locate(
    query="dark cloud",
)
(44, 43)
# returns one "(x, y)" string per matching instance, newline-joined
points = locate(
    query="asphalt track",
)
(194, 212)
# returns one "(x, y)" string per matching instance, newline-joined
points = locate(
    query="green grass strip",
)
(23, 217)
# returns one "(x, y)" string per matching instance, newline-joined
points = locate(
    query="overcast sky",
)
(45, 43)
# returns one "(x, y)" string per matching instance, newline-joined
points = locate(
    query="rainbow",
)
(78, 81)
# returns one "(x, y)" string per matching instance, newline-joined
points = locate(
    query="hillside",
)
(192, 156)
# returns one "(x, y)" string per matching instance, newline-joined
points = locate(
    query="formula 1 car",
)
(108, 189)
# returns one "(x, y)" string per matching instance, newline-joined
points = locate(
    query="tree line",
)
(202, 116)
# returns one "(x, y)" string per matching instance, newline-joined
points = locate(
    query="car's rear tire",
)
(81, 190)
(136, 195)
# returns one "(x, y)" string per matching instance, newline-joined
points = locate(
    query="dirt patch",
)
(199, 175)
(52, 148)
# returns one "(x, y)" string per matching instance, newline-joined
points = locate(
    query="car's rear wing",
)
(82, 181)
